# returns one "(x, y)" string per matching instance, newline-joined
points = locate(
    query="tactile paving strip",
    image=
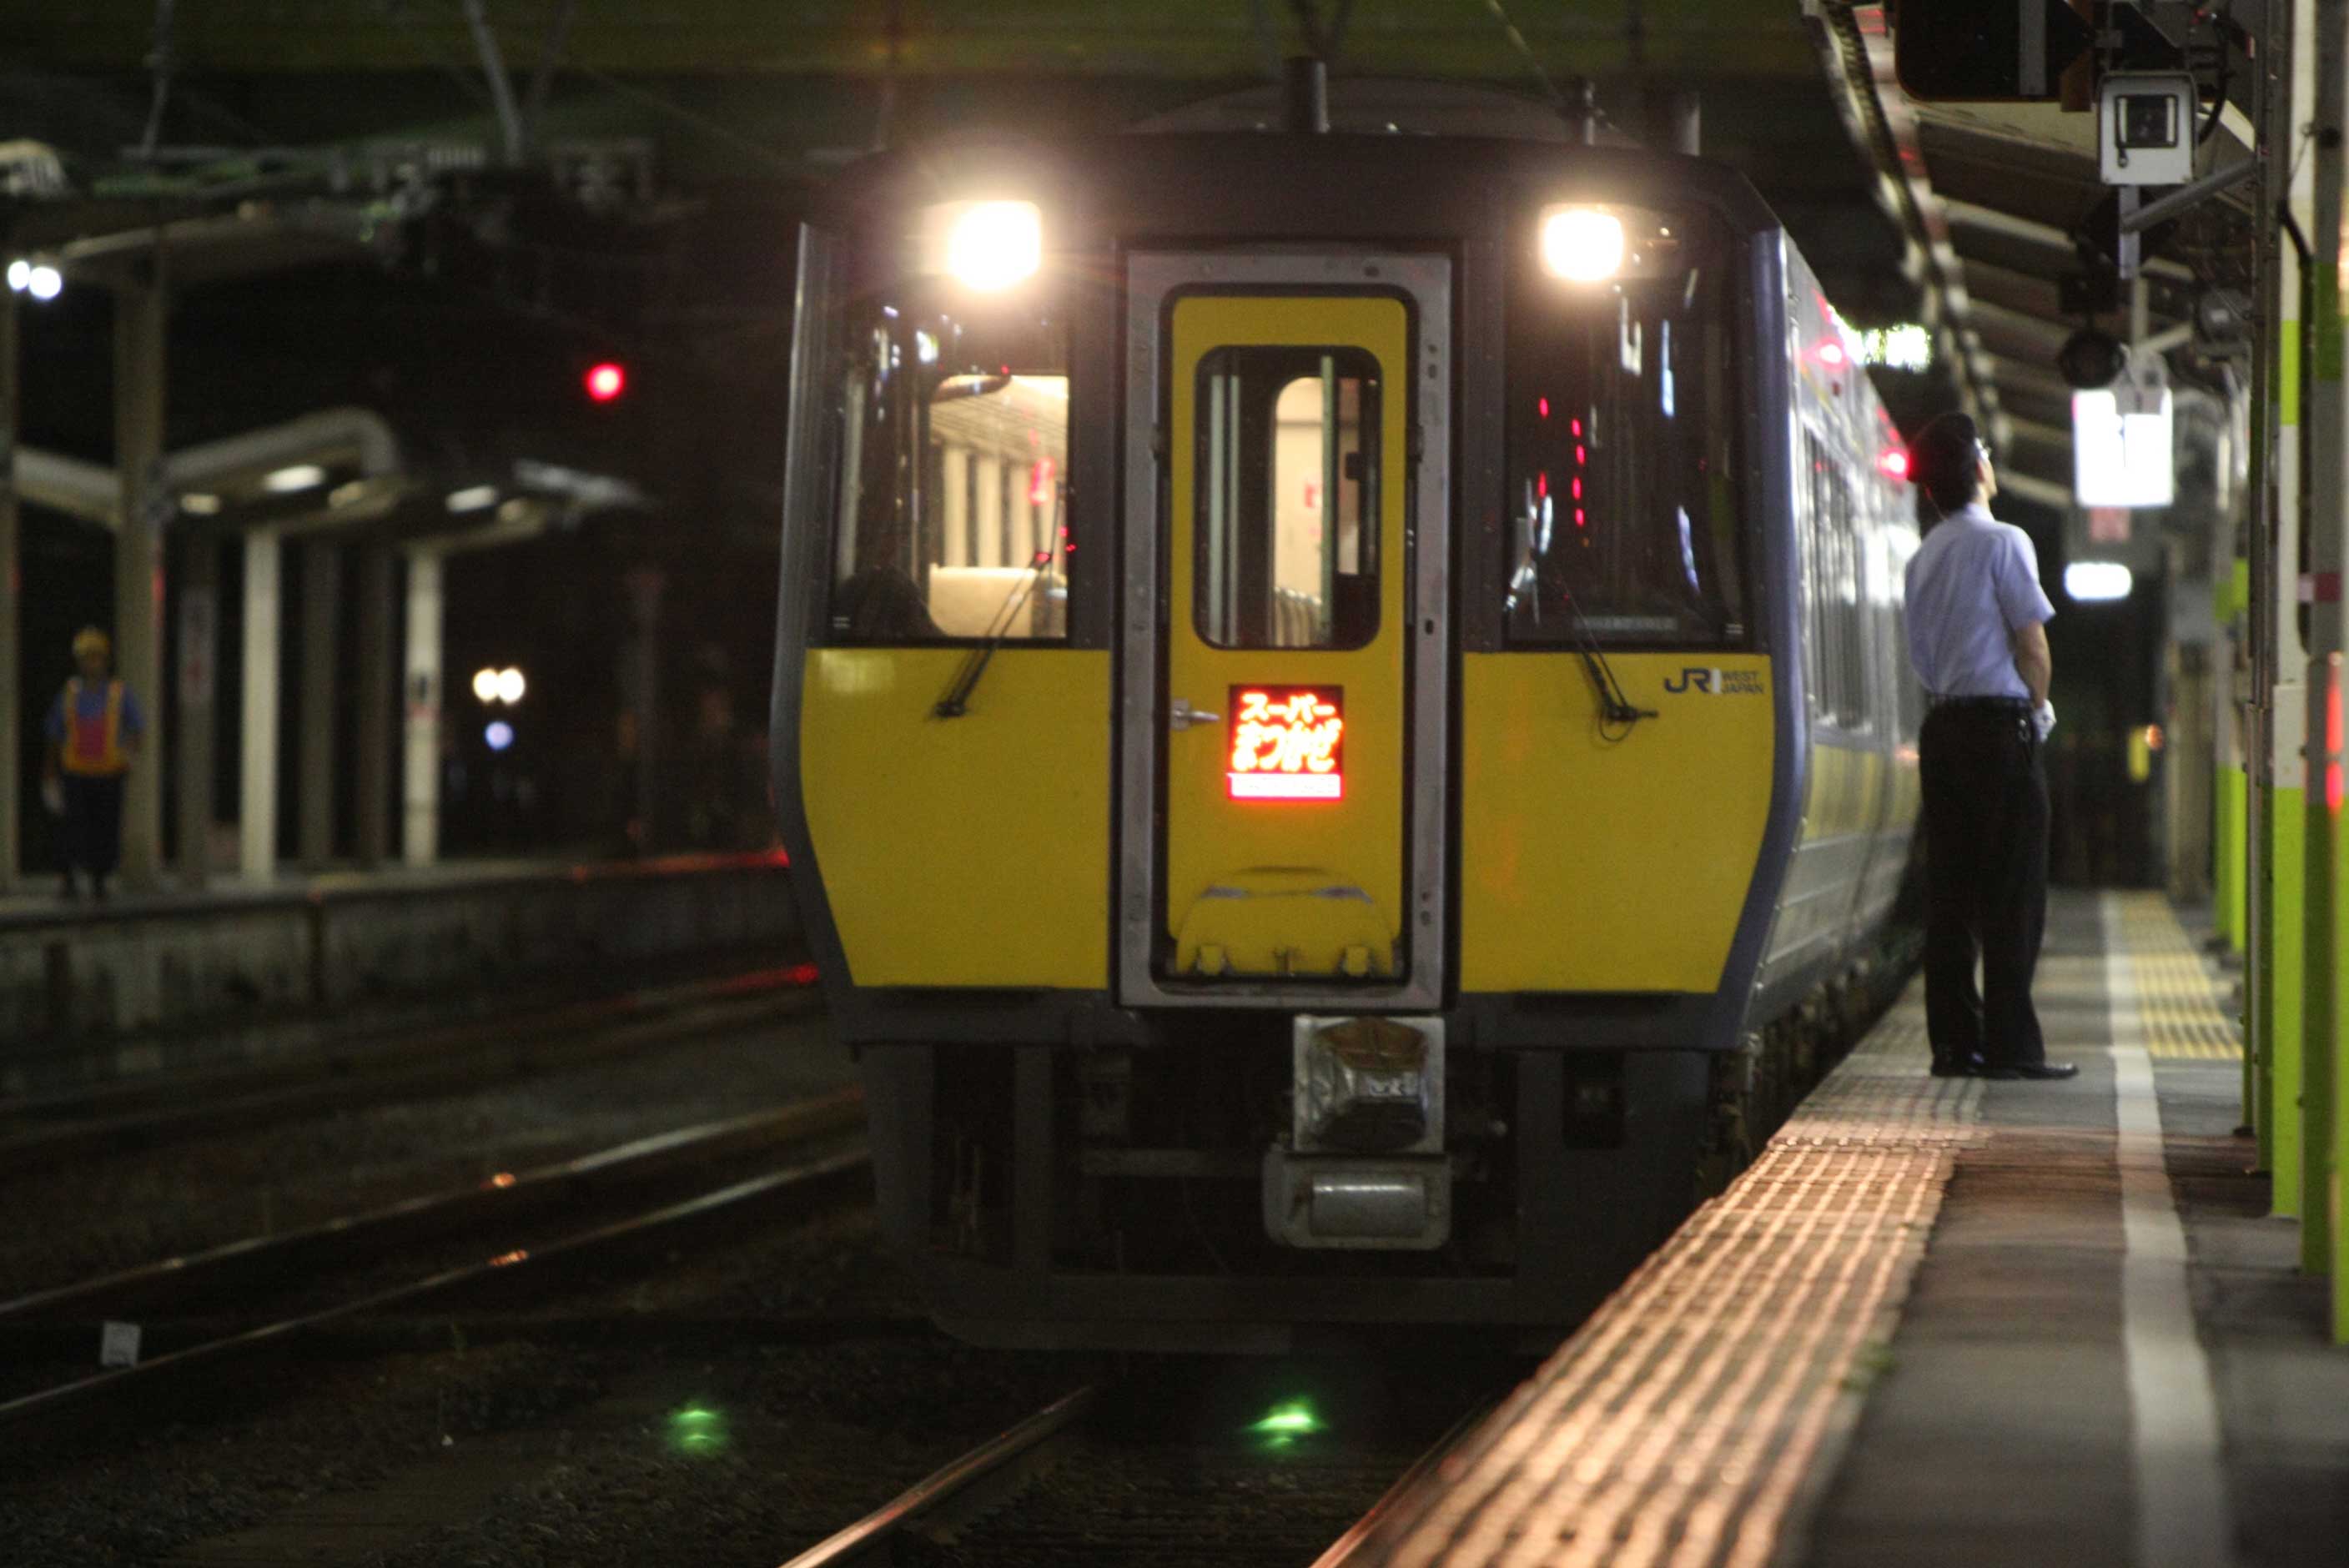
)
(1679, 1426)
(2178, 1005)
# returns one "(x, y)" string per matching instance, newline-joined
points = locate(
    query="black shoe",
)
(2036, 1072)
(1956, 1066)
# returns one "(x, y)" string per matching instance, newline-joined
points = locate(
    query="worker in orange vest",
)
(95, 729)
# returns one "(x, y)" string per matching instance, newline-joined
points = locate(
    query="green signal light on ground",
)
(697, 1429)
(1285, 1423)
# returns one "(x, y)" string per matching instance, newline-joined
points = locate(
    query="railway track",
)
(46, 1130)
(1091, 1479)
(516, 1234)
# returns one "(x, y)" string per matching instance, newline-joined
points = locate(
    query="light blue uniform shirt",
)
(1971, 585)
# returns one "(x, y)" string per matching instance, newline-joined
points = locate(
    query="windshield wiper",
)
(1617, 712)
(956, 701)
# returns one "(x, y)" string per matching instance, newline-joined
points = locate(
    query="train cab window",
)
(950, 519)
(1623, 409)
(1286, 537)
(1835, 597)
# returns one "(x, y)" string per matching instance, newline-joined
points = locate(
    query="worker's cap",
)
(90, 640)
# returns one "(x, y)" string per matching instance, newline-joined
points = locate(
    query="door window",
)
(1287, 525)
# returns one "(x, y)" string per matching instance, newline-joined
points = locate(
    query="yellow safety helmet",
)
(90, 640)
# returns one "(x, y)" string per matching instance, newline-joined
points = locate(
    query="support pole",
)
(2278, 1031)
(256, 776)
(372, 784)
(11, 624)
(2326, 1073)
(640, 690)
(420, 826)
(2327, 432)
(2259, 695)
(197, 591)
(314, 808)
(141, 313)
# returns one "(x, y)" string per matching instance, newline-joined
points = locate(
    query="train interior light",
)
(989, 246)
(1582, 245)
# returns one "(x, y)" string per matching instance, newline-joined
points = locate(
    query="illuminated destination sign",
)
(1287, 743)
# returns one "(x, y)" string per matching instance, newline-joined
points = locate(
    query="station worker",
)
(1978, 638)
(95, 729)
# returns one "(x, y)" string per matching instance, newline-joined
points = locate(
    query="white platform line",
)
(2182, 1517)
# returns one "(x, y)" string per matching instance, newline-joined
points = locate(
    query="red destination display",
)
(1287, 743)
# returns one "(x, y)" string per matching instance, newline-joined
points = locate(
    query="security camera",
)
(2145, 127)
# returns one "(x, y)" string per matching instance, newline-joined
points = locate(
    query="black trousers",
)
(1985, 882)
(93, 823)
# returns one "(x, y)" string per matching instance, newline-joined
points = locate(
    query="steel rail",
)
(135, 1389)
(506, 1197)
(993, 1460)
(440, 1060)
(1392, 1502)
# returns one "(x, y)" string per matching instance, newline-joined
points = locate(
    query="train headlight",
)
(988, 246)
(1582, 245)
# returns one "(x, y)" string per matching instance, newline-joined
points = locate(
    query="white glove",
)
(2043, 718)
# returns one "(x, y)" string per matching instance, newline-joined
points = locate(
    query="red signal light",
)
(1831, 354)
(605, 381)
(1894, 462)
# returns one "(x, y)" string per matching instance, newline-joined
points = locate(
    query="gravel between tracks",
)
(126, 1208)
(583, 1440)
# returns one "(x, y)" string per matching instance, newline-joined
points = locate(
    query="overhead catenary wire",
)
(1517, 42)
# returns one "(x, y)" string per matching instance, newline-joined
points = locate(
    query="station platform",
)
(149, 971)
(1951, 1322)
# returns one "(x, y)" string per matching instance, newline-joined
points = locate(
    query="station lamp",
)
(498, 685)
(2096, 581)
(299, 477)
(39, 279)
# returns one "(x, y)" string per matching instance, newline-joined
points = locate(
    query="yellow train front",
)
(1338, 715)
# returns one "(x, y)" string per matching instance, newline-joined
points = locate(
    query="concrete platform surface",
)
(1951, 1322)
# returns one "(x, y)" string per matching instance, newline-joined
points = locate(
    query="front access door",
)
(1285, 691)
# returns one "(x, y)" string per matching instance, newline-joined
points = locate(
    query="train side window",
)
(1817, 545)
(1285, 536)
(949, 521)
(1850, 608)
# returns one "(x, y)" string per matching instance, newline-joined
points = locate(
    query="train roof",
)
(1278, 186)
